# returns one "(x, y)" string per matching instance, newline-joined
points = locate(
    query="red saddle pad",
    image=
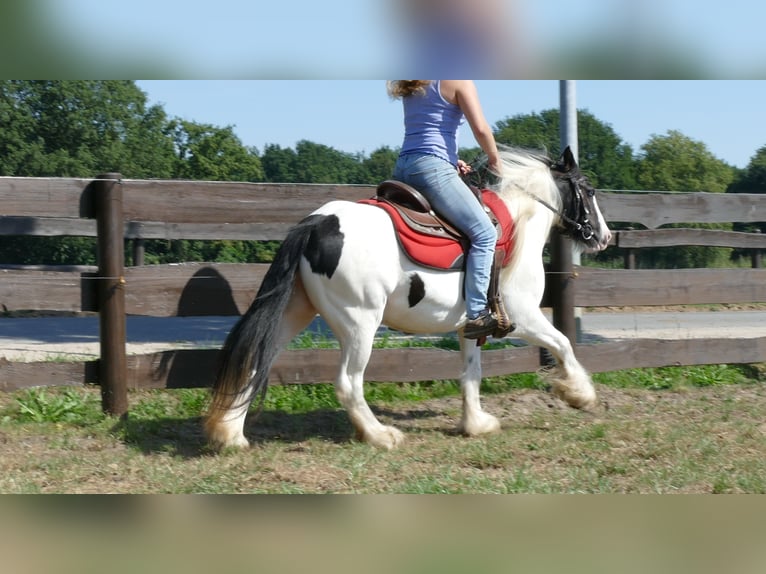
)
(443, 253)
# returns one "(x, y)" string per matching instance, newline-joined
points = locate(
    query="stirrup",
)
(482, 326)
(504, 325)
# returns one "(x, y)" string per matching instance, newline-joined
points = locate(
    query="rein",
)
(584, 229)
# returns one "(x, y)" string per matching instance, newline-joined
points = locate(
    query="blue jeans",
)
(440, 183)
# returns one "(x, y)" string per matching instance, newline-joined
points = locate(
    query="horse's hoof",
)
(479, 424)
(222, 441)
(388, 438)
(584, 401)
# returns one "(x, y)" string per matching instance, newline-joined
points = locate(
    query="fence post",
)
(563, 286)
(138, 252)
(111, 293)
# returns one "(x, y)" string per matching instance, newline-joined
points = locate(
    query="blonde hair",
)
(402, 88)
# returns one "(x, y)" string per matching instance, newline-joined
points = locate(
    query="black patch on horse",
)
(325, 244)
(417, 290)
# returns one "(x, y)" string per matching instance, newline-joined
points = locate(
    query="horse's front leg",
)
(568, 379)
(475, 421)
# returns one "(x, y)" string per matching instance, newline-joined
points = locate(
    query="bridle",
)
(579, 208)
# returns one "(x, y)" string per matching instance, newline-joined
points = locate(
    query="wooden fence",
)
(114, 210)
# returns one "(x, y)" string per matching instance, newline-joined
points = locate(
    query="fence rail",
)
(113, 210)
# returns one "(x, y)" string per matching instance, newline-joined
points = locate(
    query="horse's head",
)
(581, 217)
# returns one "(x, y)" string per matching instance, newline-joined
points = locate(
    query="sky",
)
(375, 38)
(357, 116)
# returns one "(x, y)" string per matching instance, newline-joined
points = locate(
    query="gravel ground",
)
(38, 338)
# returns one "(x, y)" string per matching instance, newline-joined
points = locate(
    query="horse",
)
(344, 263)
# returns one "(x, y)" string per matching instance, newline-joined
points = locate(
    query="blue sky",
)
(345, 38)
(728, 116)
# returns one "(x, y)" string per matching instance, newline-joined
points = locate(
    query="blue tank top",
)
(431, 124)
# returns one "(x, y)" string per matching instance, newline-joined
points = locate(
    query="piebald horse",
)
(344, 263)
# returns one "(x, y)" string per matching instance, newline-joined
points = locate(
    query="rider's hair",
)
(402, 88)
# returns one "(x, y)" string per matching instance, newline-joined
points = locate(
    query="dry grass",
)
(688, 440)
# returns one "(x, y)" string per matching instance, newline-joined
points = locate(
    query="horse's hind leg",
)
(225, 423)
(475, 421)
(356, 347)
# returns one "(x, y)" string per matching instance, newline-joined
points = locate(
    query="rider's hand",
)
(463, 167)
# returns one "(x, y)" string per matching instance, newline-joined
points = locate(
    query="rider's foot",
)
(483, 325)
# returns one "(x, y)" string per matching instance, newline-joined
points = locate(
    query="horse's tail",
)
(252, 345)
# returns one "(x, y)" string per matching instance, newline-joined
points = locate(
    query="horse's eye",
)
(591, 192)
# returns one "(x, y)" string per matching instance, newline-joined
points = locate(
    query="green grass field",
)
(680, 429)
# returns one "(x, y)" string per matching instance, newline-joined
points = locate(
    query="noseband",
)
(578, 209)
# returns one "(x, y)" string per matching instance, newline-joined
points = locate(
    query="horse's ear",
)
(568, 159)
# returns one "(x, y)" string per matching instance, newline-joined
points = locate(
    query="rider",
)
(428, 161)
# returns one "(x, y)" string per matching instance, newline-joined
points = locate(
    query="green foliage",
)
(70, 406)
(316, 163)
(664, 378)
(48, 250)
(674, 162)
(81, 128)
(751, 180)
(379, 166)
(220, 251)
(604, 157)
(301, 399)
(177, 403)
(534, 131)
(278, 164)
(209, 153)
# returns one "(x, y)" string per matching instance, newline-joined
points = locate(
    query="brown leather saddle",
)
(416, 211)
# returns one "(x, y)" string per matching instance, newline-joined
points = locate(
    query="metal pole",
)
(560, 280)
(570, 317)
(568, 116)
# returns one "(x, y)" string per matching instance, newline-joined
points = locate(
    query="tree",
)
(80, 128)
(674, 162)
(751, 180)
(537, 131)
(606, 159)
(278, 164)
(380, 165)
(206, 152)
(77, 128)
(313, 163)
(318, 163)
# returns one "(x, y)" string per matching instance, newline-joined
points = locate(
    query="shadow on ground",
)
(184, 437)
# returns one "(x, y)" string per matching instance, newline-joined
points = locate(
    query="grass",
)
(42, 405)
(680, 429)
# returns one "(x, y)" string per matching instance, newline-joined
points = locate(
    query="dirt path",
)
(29, 339)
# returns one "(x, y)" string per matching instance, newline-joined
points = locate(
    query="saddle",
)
(432, 241)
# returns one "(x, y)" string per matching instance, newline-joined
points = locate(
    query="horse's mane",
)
(525, 175)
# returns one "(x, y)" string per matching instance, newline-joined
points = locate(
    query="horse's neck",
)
(532, 225)
(530, 217)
